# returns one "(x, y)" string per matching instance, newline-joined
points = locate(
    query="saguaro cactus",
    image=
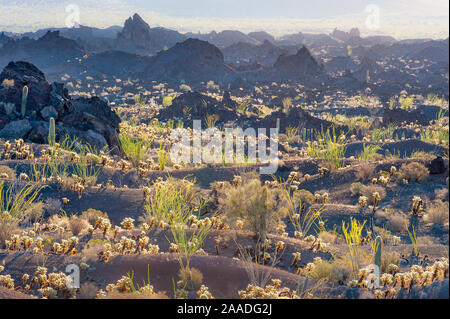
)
(24, 100)
(51, 132)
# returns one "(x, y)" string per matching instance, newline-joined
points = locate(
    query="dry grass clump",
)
(88, 290)
(328, 237)
(6, 230)
(77, 225)
(91, 215)
(331, 271)
(413, 172)
(365, 171)
(396, 223)
(190, 278)
(437, 213)
(389, 258)
(35, 211)
(7, 172)
(441, 194)
(367, 191)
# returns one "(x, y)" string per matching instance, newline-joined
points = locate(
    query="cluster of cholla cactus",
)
(271, 291)
(129, 246)
(50, 285)
(393, 281)
(17, 150)
(204, 293)
(6, 281)
(323, 171)
(147, 166)
(67, 246)
(321, 198)
(103, 224)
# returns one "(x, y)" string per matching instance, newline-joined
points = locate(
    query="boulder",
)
(16, 129)
(48, 112)
(437, 166)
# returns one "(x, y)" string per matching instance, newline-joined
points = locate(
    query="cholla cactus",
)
(417, 206)
(362, 201)
(127, 223)
(203, 293)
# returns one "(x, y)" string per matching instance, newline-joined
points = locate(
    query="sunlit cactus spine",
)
(51, 131)
(24, 100)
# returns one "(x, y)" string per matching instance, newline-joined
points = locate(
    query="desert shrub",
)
(52, 205)
(60, 220)
(328, 237)
(304, 196)
(7, 172)
(413, 172)
(365, 171)
(441, 194)
(88, 290)
(253, 204)
(93, 248)
(356, 188)
(396, 223)
(77, 225)
(92, 214)
(437, 213)
(368, 190)
(6, 230)
(35, 211)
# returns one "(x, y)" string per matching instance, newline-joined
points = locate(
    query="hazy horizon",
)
(400, 19)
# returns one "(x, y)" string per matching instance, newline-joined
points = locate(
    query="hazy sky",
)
(400, 18)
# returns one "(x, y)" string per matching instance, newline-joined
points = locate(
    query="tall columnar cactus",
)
(51, 131)
(378, 249)
(24, 100)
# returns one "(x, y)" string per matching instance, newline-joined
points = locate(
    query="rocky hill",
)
(300, 65)
(137, 37)
(192, 59)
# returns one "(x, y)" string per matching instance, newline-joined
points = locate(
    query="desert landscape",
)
(95, 205)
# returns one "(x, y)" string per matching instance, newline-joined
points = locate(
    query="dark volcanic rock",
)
(399, 116)
(437, 166)
(195, 106)
(89, 120)
(300, 64)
